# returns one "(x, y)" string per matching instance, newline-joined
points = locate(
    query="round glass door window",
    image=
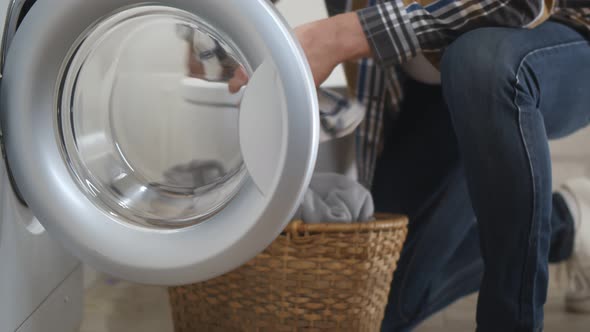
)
(148, 117)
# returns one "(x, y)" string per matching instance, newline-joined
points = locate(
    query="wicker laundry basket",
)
(314, 277)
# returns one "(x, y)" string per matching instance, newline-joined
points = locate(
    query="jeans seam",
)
(531, 166)
(527, 262)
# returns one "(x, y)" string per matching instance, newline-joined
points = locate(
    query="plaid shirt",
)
(399, 30)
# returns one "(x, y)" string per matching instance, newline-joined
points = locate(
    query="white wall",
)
(571, 157)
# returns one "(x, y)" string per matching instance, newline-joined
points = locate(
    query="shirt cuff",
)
(389, 32)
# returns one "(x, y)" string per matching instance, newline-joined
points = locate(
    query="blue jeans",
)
(470, 164)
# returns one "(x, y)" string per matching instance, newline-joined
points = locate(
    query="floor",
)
(116, 306)
(460, 316)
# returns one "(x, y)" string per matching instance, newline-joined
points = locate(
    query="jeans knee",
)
(478, 69)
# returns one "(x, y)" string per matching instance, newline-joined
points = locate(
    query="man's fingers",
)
(239, 79)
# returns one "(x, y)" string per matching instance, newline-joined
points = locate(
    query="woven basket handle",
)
(384, 222)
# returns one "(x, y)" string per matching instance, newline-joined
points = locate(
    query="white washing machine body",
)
(40, 282)
(124, 145)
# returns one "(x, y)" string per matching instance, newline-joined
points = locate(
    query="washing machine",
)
(125, 148)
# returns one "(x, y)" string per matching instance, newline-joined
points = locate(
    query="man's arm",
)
(396, 31)
(331, 41)
(400, 29)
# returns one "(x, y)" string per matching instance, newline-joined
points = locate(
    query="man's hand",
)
(196, 69)
(326, 44)
(329, 42)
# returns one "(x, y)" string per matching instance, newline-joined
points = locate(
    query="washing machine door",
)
(163, 142)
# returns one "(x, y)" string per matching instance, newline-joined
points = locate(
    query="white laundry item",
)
(339, 115)
(421, 70)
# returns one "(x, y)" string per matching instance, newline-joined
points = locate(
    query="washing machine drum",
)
(165, 142)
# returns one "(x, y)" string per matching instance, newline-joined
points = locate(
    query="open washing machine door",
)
(123, 137)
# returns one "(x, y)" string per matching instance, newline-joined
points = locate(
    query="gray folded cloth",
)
(335, 198)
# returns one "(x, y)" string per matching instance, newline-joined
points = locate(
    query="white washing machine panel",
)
(165, 142)
(33, 267)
